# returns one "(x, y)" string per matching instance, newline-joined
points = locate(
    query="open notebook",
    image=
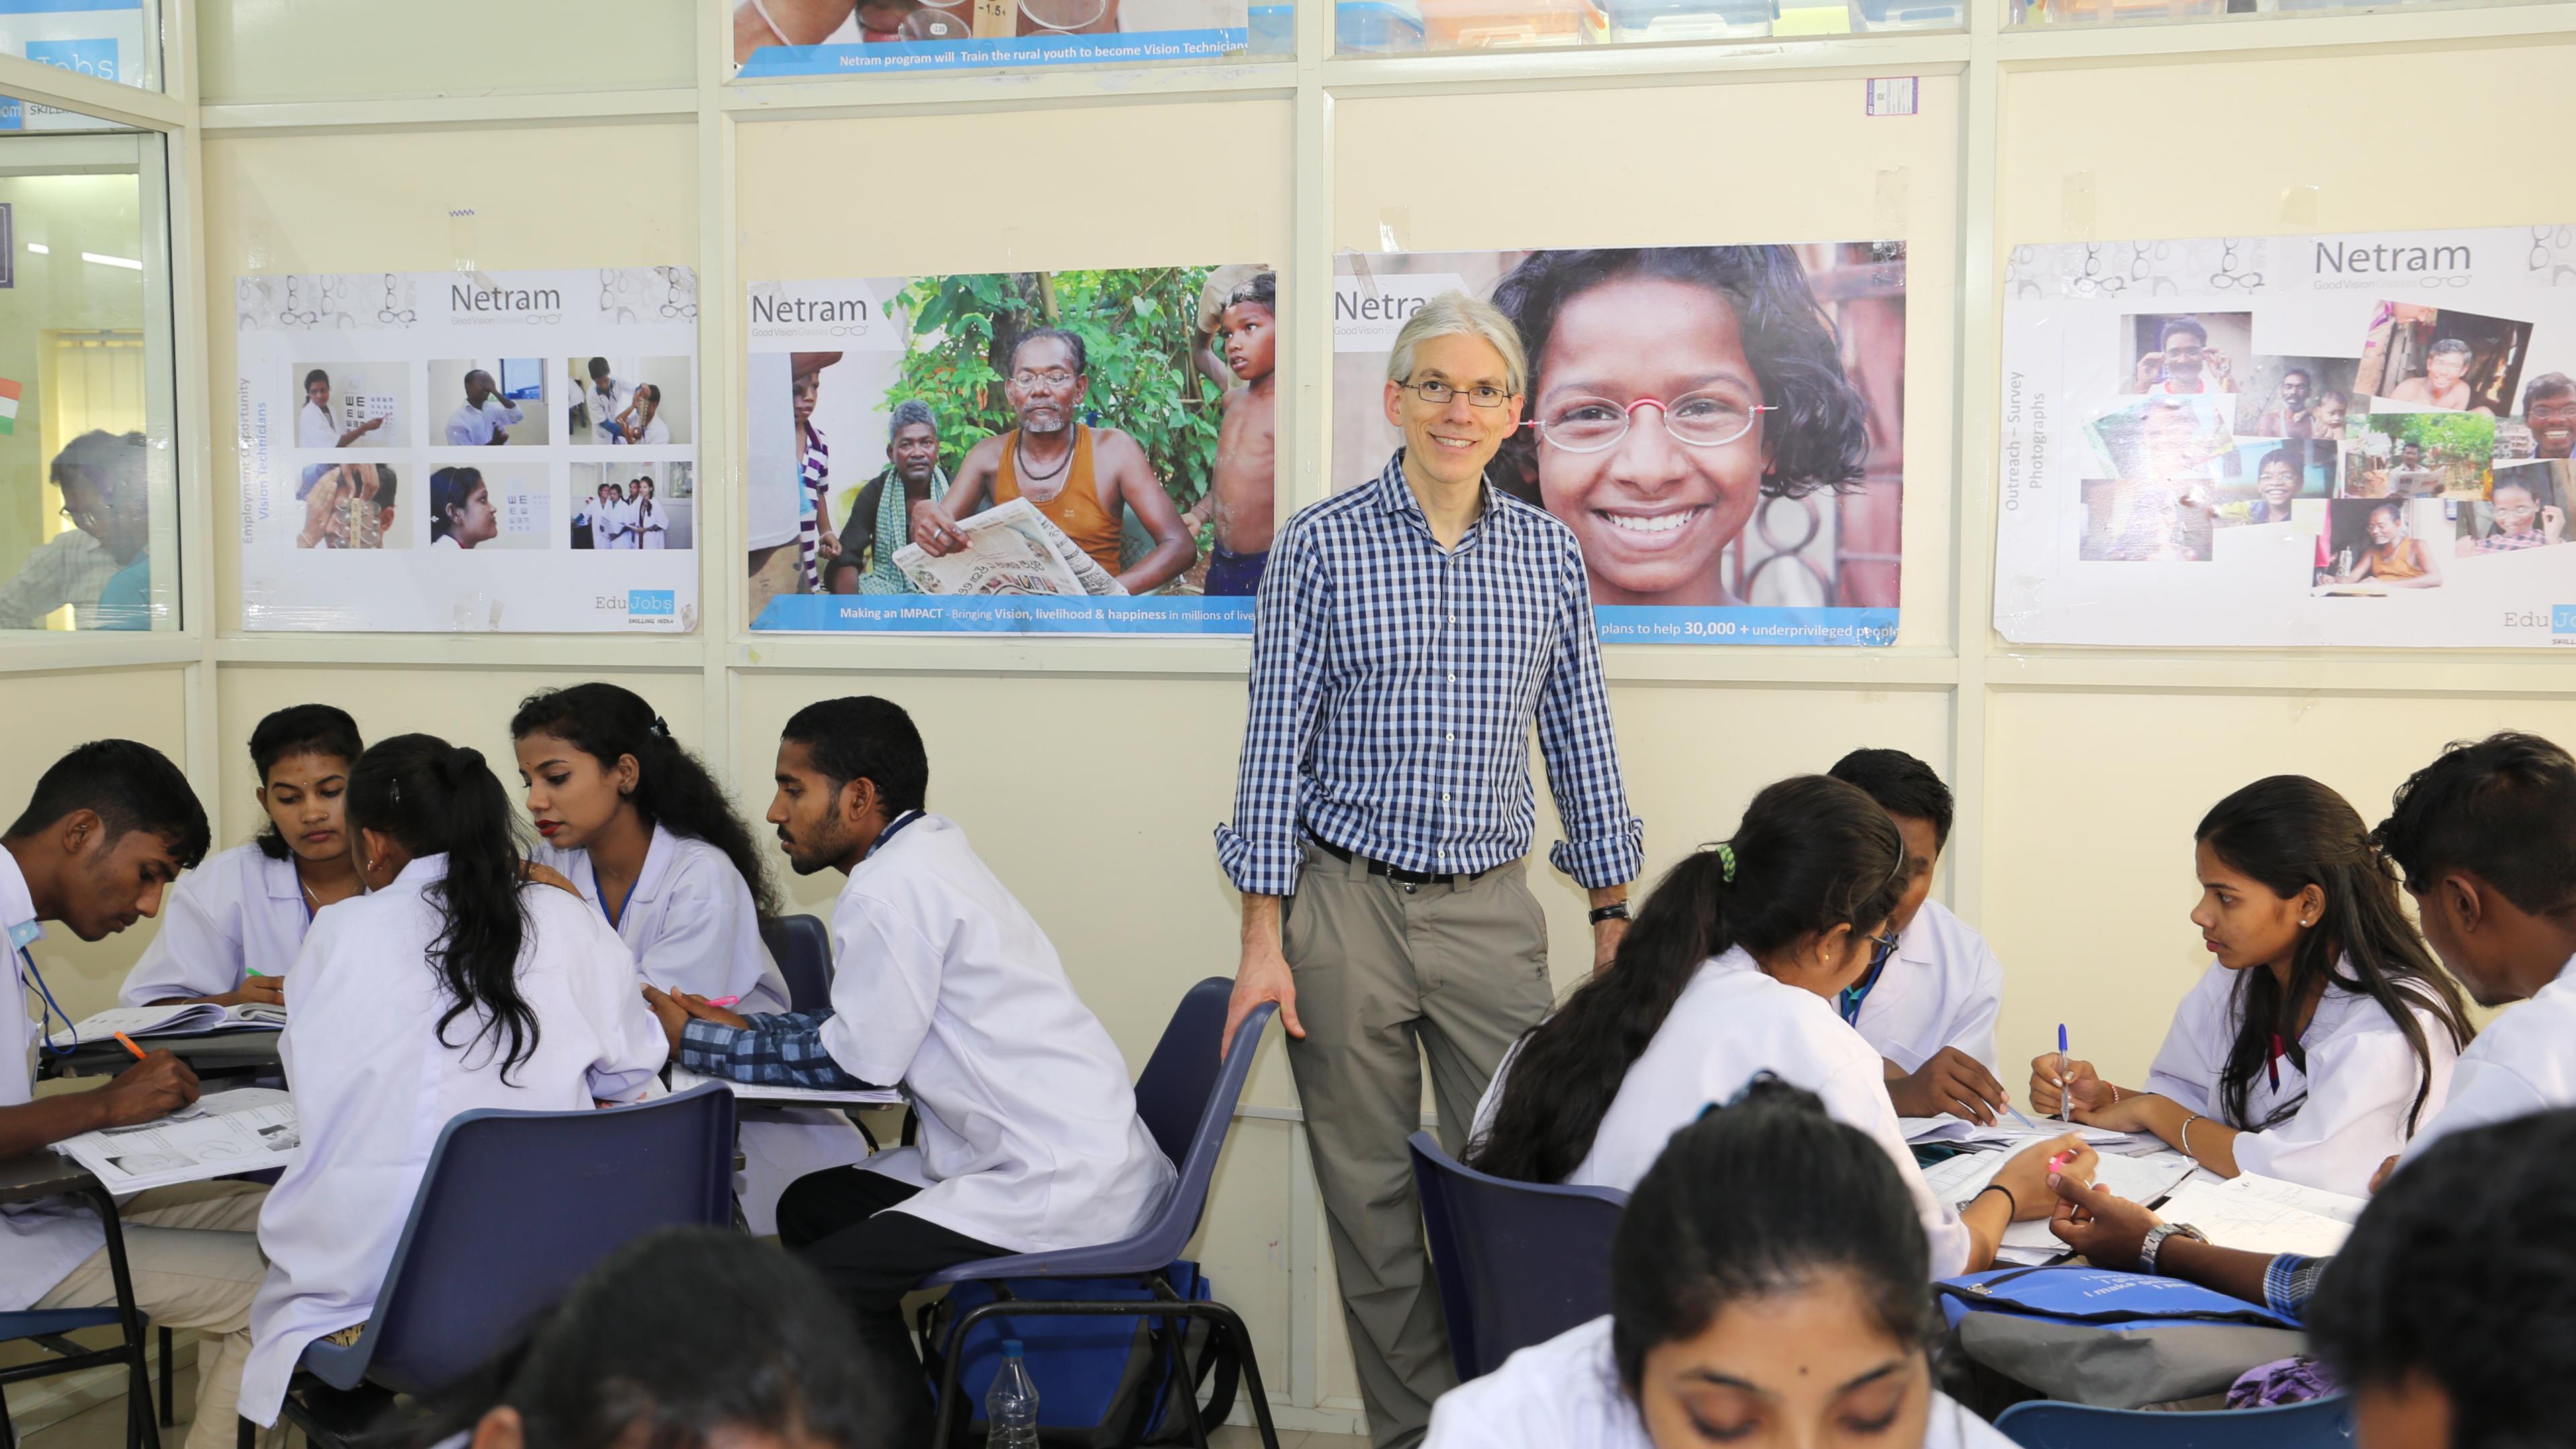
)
(248, 1129)
(186, 1019)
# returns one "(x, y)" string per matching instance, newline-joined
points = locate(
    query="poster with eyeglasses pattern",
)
(1722, 428)
(2350, 440)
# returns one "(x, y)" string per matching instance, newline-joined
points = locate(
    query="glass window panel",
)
(89, 528)
(114, 40)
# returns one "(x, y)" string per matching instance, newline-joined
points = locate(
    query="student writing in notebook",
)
(235, 923)
(1769, 1285)
(944, 984)
(1730, 972)
(109, 827)
(2485, 840)
(2323, 1035)
(648, 837)
(453, 984)
(1930, 1007)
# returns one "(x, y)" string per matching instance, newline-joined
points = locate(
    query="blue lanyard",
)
(1848, 1003)
(52, 1009)
(893, 829)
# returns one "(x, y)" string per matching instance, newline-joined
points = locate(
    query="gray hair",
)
(1455, 314)
(908, 412)
(2447, 346)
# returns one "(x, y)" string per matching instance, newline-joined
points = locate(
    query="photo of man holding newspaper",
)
(930, 454)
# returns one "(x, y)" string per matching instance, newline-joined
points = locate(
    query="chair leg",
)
(245, 1433)
(1175, 1333)
(1231, 1325)
(169, 1401)
(8, 1430)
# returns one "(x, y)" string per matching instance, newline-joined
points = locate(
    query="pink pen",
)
(724, 1001)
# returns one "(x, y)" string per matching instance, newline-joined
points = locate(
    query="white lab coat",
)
(374, 1086)
(2524, 1063)
(1731, 1022)
(694, 927)
(652, 530)
(943, 983)
(604, 405)
(40, 1242)
(2360, 1082)
(239, 910)
(314, 428)
(473, 427)
(1565, 1394)
(1943, 988)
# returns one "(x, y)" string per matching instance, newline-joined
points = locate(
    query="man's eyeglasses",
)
(1438, 394)
(1880, 948)
(1052, 377)
(1703, 420)
(83, 518)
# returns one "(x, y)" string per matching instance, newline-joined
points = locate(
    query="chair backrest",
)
(802, 947)
(1517, 1262)
(516, 1206)
(2316, 1424)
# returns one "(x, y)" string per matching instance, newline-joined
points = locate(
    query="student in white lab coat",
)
(313, 425)
(647, 836)
(652, 526)
(1730, 972)
(945, 986)
(1769, 1285)
(110, 826)
(236, 923)
(1930, 1008)
(451, 985)
(2323, 1036)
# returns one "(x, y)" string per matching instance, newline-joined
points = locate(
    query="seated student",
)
(1769, 1284)
(451, 985)
(945, 985)
(2446, 1312)
(2323, 1035)
(2485, 838)
(1929, 1009)
(646, 835)
(1727, 974)
(688, 1338)
(109, 827)
(237, 922)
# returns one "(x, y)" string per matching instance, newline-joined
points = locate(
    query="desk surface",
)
(41, 1173)
(207, 1053)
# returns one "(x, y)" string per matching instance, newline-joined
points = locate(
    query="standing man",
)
(484, 421)
(1410, 632)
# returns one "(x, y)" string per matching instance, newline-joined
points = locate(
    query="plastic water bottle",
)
(1011, 1405)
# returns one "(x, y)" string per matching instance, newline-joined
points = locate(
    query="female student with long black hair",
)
(1730, 972)
(235, 923)
(452, 985)
(1769, 1284)
(647, 837)
(2322, 1036)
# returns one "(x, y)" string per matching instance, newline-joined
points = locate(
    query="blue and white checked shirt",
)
(1393, 687)
(778, 1049)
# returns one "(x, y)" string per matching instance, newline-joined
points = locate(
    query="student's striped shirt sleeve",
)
(784, 1049)
(2289, 1282)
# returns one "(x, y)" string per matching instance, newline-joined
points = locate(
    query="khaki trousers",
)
(1386, 976)
(193, 1254)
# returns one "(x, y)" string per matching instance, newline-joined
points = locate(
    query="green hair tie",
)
(1726, 861)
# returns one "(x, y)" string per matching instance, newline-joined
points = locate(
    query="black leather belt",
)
(1396, 873)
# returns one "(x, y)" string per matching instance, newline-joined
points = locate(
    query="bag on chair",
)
(2117, 1340)
(1102, 1382)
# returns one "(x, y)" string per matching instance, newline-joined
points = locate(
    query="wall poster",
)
(469, 451)
(1078, 452)
(2290, 441)
(1722, 427)
(913, 37)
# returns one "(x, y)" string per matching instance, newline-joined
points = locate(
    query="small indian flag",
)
(8, 407)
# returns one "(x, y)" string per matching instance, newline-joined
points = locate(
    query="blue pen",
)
(2064, 1102)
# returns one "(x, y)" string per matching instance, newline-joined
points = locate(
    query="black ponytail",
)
(2290, 832)
(1764, 1195)
(672, 788)
(299, 729)
(1811, 853)
(435, 798)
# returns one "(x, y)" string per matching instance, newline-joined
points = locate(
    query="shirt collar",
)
(17, 906)
(278, 877)
(1395, 497)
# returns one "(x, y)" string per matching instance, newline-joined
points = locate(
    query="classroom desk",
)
(43, 1173)
(210, 1054)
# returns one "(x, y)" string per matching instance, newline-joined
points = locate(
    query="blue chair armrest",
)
(1109, 1260)
(342, 1366)
(33, 1321)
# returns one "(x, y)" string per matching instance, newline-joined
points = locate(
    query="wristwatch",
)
(2155, 1240)
(1615, 911)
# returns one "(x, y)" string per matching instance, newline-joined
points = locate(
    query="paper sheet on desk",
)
(248, 1129)
(1964, 1132)
(2139, 1179)
(682, 1079)
(2263, 1215)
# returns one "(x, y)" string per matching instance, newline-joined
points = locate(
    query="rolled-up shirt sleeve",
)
(1604, 844)
(1258, 848)
(784, 1049)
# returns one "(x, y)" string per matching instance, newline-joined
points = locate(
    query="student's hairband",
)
(1726, 861)
(657, 729)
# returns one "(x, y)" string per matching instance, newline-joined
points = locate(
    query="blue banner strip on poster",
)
(897, 57)
(1744, 624)
(64, 7)
(929, 614)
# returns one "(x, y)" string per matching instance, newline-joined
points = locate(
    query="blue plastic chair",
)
(1187, 1099)
(514, 1208)
(1517, 1262)
(46, 1328)
(2048, 1424)
(802, 947)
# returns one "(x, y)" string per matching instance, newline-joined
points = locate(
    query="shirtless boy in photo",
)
(1240, 498)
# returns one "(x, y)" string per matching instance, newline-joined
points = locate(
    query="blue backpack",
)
(2120, 1340)
(1102, 1382)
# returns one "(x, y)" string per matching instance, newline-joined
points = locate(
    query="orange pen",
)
(130, 1046)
